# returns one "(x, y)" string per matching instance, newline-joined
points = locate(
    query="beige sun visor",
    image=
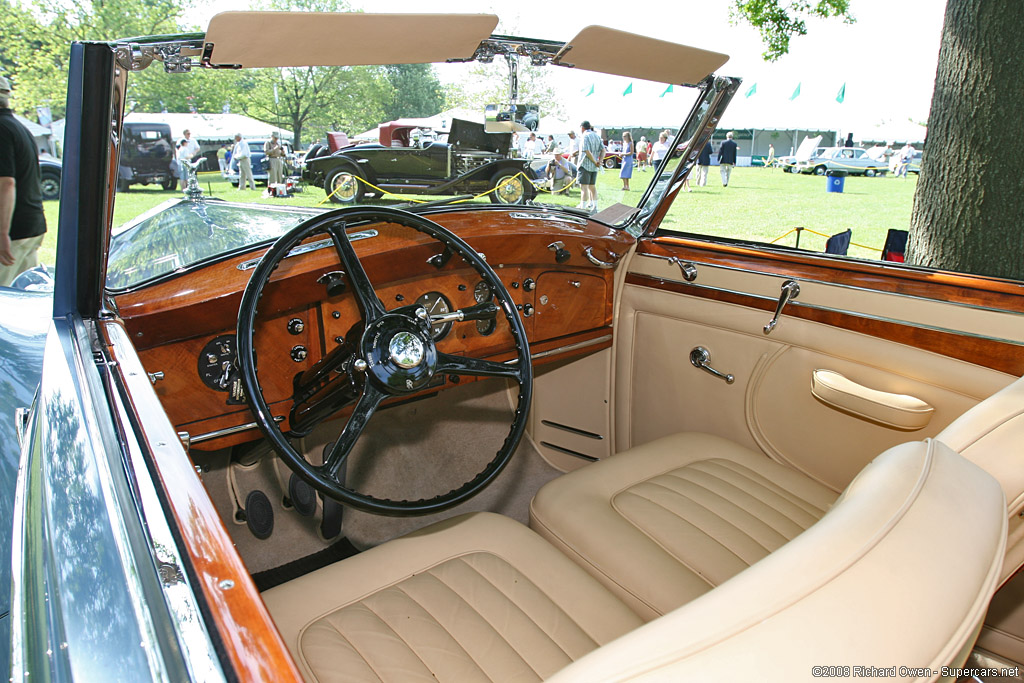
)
(269, 39)
(609, 51)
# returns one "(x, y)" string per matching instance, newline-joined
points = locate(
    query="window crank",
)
(700, 357)
(790, 291)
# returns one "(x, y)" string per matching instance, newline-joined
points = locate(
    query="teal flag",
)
(841, 95)
(628, 90)
(589, 92)
(667, 91)
(752, 90)
(796, 93)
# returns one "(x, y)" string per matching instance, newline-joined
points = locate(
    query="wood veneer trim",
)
(1001, 356)
(250, 638)
(975, 290)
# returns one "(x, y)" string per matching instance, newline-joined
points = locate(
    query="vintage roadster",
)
(471, 161)
(478, 442)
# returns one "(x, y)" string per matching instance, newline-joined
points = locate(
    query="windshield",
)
(363, 136)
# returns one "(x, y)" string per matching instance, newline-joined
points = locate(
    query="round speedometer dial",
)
(436, 303)
(481, 293)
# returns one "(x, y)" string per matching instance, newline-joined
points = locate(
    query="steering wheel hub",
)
(406, 350)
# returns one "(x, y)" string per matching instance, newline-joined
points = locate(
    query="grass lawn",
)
(759, 204)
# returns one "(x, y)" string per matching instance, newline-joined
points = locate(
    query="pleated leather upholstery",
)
(474, 599)
(667, 521)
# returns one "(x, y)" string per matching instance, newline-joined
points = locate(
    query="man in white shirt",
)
(242, 153)
(191, 147)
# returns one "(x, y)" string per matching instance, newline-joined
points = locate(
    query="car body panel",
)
(852, 160)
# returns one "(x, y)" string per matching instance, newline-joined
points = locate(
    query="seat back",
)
(991, 435)
(899, 571)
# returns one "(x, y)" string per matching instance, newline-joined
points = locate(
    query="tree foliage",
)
(778, 21)
(488, 84)
(416, 92)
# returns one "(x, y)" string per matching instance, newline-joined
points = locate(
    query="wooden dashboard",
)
(184, 327)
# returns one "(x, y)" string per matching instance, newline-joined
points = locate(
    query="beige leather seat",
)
(900, 570)
(479, 597)
(664, 522)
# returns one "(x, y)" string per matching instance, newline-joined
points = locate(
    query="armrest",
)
(898, 411)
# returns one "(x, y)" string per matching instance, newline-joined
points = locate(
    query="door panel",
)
(947, 354)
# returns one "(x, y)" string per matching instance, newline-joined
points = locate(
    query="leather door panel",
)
(860, 333)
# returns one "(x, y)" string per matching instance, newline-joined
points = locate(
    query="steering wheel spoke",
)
(476, 367)
(369, 303)
(361, 415)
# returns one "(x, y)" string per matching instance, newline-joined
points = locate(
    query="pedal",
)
(302, 496)
(259, 515)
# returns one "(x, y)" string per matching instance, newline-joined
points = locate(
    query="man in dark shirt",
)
(22, 222)
(727, 158)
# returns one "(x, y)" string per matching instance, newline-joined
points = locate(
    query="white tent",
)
(211, 129)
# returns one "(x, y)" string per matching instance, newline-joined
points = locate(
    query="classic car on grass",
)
(468, 441)
(852, 160)
(471, 161)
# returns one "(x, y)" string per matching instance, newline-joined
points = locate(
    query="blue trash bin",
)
(835, 180)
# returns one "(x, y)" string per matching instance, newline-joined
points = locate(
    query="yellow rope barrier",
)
(821, 234)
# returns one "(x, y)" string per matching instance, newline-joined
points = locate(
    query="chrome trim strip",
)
(548, 217)
(312, 246)
(227, 431)
(569, 451)
(571, 347)
(572, 430)
(854, 314)
(836, 284)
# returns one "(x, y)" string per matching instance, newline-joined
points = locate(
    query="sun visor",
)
(269, 39)
(609, 51)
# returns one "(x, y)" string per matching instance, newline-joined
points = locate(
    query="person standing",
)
(275, 160)
(573, 148)
(591, 151)
(22, 221)
(241, 152)
(641, 153)
(627, 160)
(727, 158)
(660, 149)
(906, 156)
(222, 158)
(551, 147)
(704, 164)
(191, 146)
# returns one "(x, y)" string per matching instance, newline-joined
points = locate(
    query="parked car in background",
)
(853, 160)
(469, 162)
(260, 167)
(147, 156)
(913, 167)
(49, 177)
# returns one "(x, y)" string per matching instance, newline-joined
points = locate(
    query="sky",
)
(886, 60)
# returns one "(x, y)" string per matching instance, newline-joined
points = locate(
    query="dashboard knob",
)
(299, 353)
(295, 326)
(527, 310)
(529, 284)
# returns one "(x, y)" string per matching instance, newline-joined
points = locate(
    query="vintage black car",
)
(147, 156)
(472, 442)
(471, 161)
(49, 177)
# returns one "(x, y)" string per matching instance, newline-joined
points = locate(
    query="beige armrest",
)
(898, 411)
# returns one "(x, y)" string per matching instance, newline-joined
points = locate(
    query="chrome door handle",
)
(700, 357)
(588, 251)
(790, 291)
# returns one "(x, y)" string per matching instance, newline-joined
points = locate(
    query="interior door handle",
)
(899, 411)
(790, 291)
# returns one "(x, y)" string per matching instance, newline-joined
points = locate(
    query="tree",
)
(488, 84)
(417, 92)
(969, 207)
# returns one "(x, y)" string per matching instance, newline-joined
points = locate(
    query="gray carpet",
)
(408, 452)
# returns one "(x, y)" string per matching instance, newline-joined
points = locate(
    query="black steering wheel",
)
(386, 353)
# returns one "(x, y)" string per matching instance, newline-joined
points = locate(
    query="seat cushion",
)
(663, 523)
(478, 597)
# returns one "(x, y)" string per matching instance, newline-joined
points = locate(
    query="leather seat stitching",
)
(728, 504)
(351, 644)
(707, 509)
(683, 519)
(468, 604)
(749, 495)
(527, 614)
(764, 482)
(407, 644)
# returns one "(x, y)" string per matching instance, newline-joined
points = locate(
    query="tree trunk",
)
(969, 207)
(296, 134)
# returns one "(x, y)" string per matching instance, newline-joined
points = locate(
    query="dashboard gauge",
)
(481, 293)
(436, 303)
(218, 368)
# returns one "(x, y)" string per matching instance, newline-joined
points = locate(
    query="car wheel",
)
(49, 185)
(509, 187)
(344, 186)
(170, 183)
(819, 170)
(609, 162)
(870, 173)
